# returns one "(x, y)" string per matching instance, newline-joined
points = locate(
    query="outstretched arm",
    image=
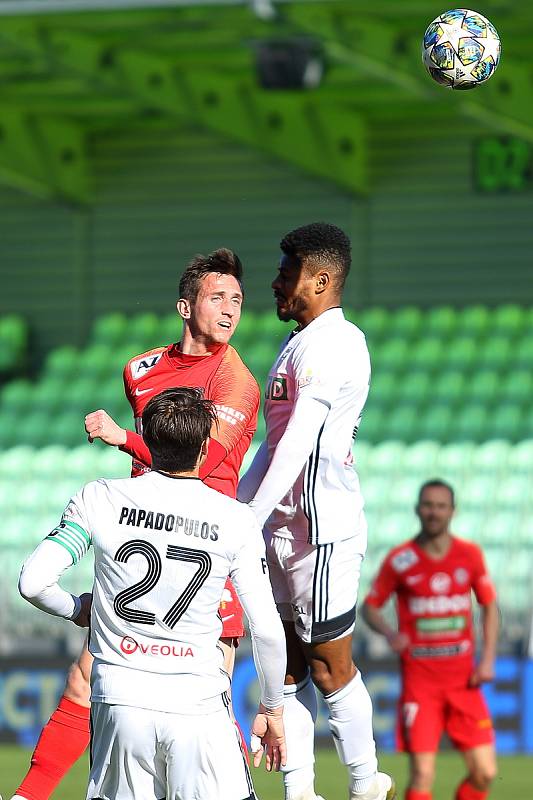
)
(377, 622)
(484, 671)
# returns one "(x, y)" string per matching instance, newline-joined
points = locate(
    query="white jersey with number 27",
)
(163, 549)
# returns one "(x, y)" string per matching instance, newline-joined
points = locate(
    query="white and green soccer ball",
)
(461, 49)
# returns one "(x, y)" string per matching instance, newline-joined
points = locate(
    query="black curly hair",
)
(320, 245)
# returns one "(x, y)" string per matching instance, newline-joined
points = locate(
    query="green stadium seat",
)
(522, 352)
(448, 387)
(16, 461)
(440, 322)
(402, 493)
(420, 459)
(81, 396)
(490, 457)
(520, 458)
(426, 355)
(361, 453)
(499, 528)
(67, 429)
(495, 352)
(471, 423)
(393, 354)
(514, 493)
(473, 321)
(170, 328)
(113, 463)
(259, 359)
(482, 386)
(406, 322)
(508, 320)
(477, 491)
(33, 428)
(386, 458)
(63, 363)
(372, 423)
(523, 533)
(374, 322)
(110, 331)
(460, 353)
(467, 523)
(17, 396)
(9, 422)
(374, 490)
(383, 387)
(49, 461)
(527, 425)
(506, 421)
(96, 361)
(144, 328)
(400, 423)
(82, 462)
(48, 394)
(414, 387)
(13, 344)
(435, 422)
(395, 528)
(454, 460)
(517, 386)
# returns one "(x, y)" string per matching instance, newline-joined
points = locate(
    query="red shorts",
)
(230, 611)
(425, 711)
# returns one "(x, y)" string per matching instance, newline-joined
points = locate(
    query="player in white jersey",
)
(164, 545)
(305, 491)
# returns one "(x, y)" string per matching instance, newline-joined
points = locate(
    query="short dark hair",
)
(221, 261)
(176, 423)
(437, 482)
(320, 245)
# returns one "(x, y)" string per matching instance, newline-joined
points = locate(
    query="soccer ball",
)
(461, 49)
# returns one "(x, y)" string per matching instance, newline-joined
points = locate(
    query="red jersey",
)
(434, 603)
(224, 379)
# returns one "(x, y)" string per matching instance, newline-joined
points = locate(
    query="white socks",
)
(350, 722)
(299, 717)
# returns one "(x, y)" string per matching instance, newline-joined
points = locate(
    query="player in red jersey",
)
(210, 299)
(433, 576)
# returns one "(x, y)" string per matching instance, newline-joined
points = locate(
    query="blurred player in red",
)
(210, 300)
(432, 577)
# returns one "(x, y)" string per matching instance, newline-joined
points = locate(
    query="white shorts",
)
(139, 753)
(315, 586)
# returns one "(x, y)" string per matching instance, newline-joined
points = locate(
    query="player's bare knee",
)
(482, 775)
(77, 687)
(327, 679)
(422, 776)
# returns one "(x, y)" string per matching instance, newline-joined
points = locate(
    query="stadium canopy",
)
(298, 80)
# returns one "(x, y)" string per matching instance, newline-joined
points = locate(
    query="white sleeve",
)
(249, 573)
(293, 450)
(250, 481)
(38, 582)
(64, 546)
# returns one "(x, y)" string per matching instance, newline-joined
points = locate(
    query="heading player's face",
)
(294, 290)
(435, 510)
(217, 309)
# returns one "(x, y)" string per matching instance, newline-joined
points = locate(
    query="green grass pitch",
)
(514, 781)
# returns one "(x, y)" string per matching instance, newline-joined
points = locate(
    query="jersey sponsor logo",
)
(440, 583)
(306, 380)
(129, 646)
(229, 414)
(276, 388)
(439, 605)
(171, 523)
(402, 561)
(440, 651)
(141, 365)
(440, 624)
(461, 575)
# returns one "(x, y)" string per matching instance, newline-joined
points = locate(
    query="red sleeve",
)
(482, 584)
(236, 397)
(384, 584)
(136, 448)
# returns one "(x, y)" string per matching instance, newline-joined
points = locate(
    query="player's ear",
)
(203, 451)
(322, 281)
(184, 308)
